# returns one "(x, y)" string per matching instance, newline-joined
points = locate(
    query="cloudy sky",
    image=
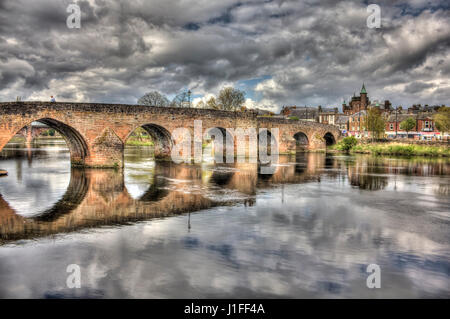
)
(280, 52)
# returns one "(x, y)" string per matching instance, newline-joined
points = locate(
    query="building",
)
(424, 129)
(319, 114)
(328, 115)
(342, 123)
(362, 103)
(418, 108)
(261, 112)
(356, 124)
(301, 112)
(386, 107)
(357, 103)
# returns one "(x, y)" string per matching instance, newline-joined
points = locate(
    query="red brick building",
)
(424, 129)
(362, 103)
(357, 103)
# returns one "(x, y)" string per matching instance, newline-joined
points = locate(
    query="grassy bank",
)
(17, 139)
(134, 142)
(393, 148)
(402, 149)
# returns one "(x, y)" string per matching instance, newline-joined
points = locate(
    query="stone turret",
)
(364, 99)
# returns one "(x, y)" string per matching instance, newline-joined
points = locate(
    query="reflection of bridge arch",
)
(155, 192)
(100, 198)
(221, 177)
(79, 186)
(74, 195)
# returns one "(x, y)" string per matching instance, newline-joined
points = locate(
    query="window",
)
(391, 127)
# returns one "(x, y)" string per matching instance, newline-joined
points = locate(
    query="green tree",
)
(140, 133)
(153, 98)
(375, 123)
(230, 99)
(408, 124)
(442, 119)
(347, 143)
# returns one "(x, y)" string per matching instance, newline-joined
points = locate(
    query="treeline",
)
(229, 99)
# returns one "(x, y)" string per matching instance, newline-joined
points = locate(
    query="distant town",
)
(352, 119)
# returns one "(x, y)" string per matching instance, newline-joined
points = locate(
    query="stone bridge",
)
(96, 133)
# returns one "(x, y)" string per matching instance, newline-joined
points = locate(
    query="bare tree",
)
(201, 105)
(180, 100)
(231, 99)
(211, 103)
(153, 98)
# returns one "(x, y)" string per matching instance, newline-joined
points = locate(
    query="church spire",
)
(363, 89)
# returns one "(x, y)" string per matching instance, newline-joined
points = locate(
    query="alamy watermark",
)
(229, 144)
(74, 279)
(74, 19)
(374, 19)
(374, 279)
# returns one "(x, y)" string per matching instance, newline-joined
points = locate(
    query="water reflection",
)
(101, 197)
(307, 230)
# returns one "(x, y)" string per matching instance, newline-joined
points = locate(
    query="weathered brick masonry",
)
(96, 133)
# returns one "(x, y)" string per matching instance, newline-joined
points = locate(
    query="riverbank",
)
(134, 142)
(393, 148)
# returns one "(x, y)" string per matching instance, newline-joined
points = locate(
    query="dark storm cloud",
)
(305, 52)
(417, 86)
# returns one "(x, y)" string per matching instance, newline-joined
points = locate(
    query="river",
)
(161, 230)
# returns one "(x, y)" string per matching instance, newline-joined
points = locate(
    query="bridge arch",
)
(76, 143)
(329, 139)
(301, 141)
(162, 138)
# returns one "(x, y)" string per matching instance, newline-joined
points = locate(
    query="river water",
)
(160, 230)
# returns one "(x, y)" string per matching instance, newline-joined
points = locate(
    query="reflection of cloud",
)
(34, 188)
(307, 247)
(304, 238)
